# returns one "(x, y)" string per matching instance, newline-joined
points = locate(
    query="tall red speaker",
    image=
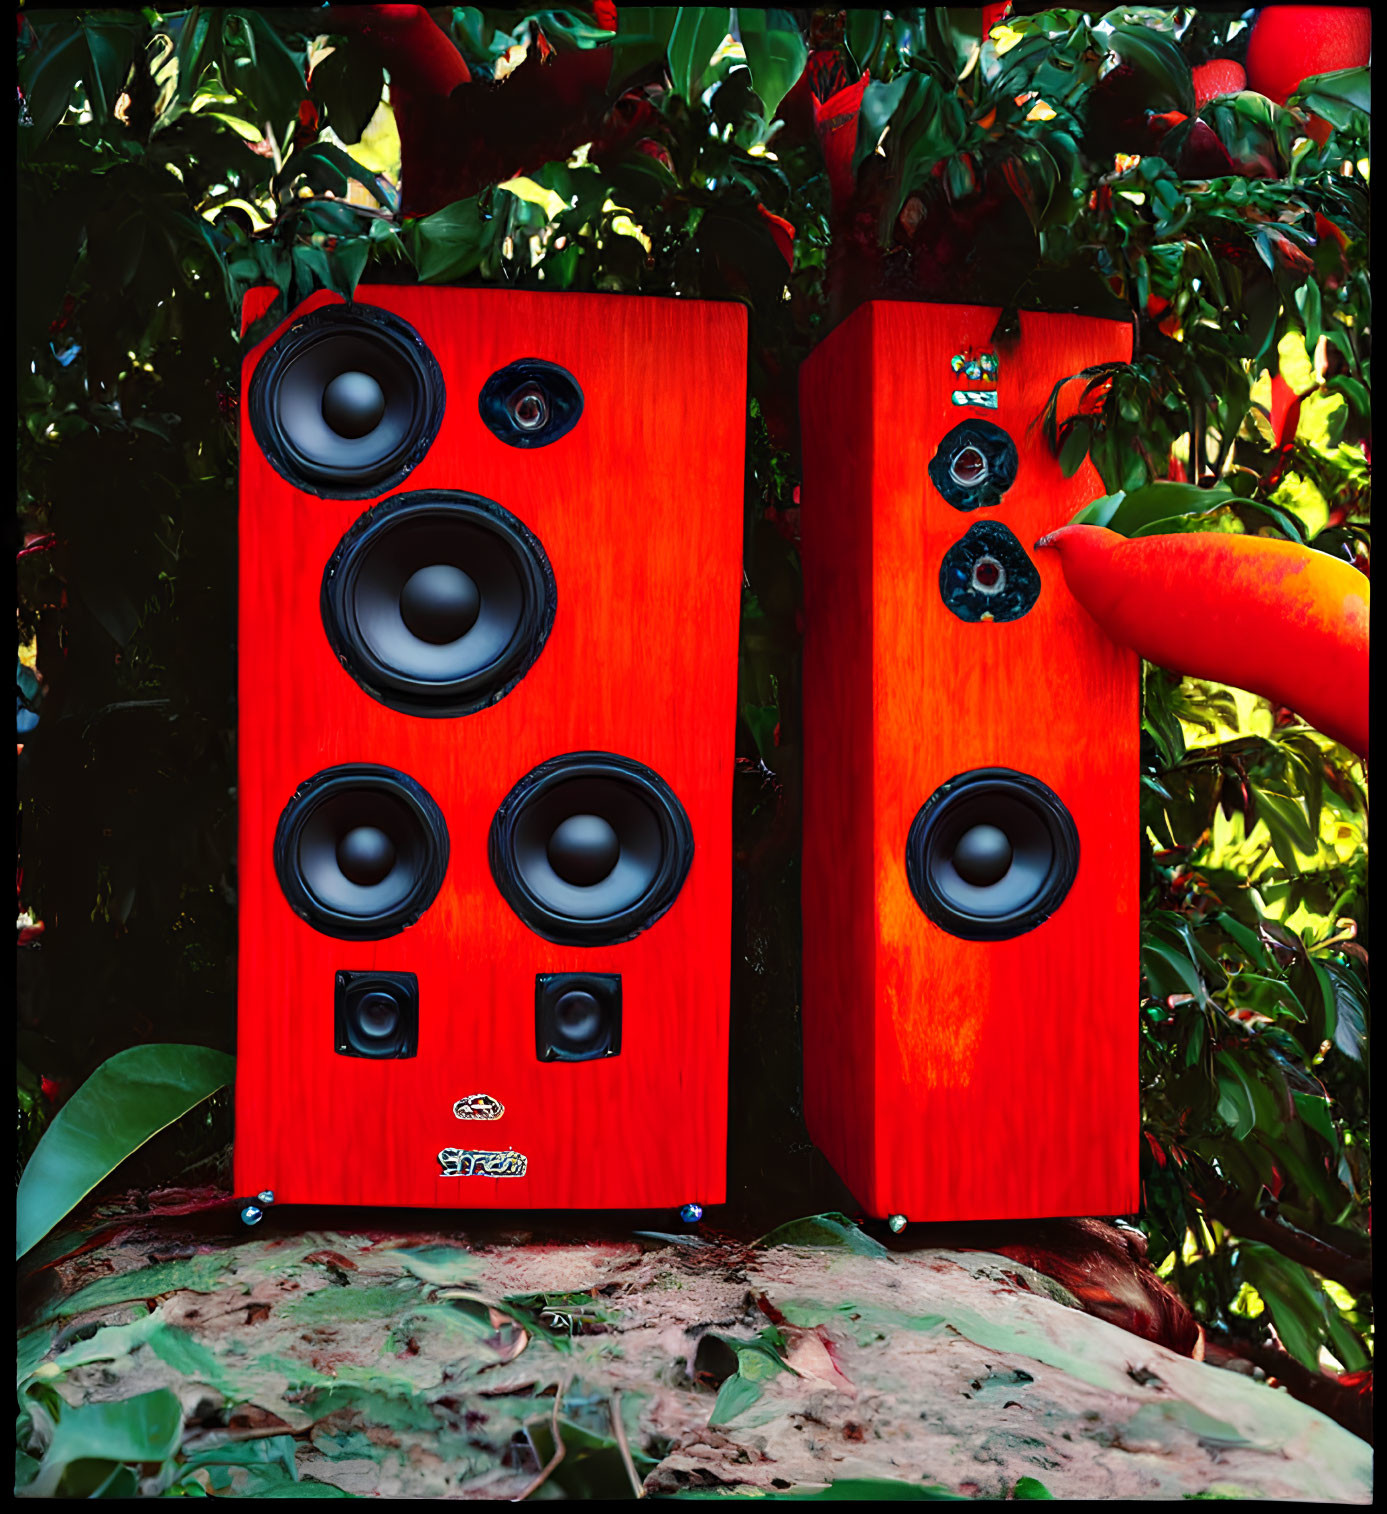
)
(490, 572)
(970, 782)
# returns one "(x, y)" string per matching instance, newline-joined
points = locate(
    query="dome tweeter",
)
(974, 465)
(437, 602)
(531, 403)
(346, 402)
(991, 854)
(360, 852)
(590, 849)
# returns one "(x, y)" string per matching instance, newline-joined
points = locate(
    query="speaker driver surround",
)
(360, 851)
(438, 602)
(347, 401)
(590, 848)
(991, 854)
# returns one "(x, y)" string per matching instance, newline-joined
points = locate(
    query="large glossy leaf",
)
(1337, 96)
(348, 83)
(126, 1100)
(642, 35)
(830, 1229)
(49, 77)
(146, 1428)
(1130, 514)
(697, 32)
(775, 53)
(449, 243)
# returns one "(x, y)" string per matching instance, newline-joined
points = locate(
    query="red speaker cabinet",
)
(490, 567)
(970, 883)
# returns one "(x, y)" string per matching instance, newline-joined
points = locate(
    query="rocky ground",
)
(179, 1351)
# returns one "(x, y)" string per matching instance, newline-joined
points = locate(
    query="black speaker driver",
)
(987, 575)
(376, 1015)
(975, 465)
(530, 403)
(991, 854)
(590, 849)
(347, 401)
(438, 602)
(361, 851)
(577, 1016)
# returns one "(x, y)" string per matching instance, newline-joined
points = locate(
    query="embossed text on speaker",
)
(347, 401)
(438, 602)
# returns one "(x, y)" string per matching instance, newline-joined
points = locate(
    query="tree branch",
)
(1243, 1217)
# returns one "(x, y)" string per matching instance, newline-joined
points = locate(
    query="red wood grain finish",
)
(949, 1079)
(639, 510)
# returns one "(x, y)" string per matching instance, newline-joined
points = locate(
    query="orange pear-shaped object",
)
(1269, 616)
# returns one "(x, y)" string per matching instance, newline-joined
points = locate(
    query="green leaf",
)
(1285, 814)
(192, 33)
(109, 49)
(447, 244)
(1160, 65)
(698, 30)
(269, 72)
(1295, 1301)
(775, 53)
(130, 1097)
(736, 1395)
(348, 84)
(325, 166)
(50, 77)
(1139, 511)
(1351, 1011)
(1031, 1487)
(146, 1428)
(861, 35)
(642, 35)
(1336, 96)
(1074, 447)
(831, 1229)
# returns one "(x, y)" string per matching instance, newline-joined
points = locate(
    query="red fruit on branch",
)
(457, 135)
(1269, 616)
(1220, 76)
(1294, 42)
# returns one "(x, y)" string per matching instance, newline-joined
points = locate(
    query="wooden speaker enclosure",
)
(948, 1078)
(638, 507)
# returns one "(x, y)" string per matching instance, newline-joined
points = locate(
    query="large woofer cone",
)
(361, 851)
(347, 401)
(590, 849)
(438, 603)
(991, 854)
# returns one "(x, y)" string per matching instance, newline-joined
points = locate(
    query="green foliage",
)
(124, 1102)
(169, 161)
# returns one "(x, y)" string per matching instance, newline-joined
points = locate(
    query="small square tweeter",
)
(577, 1016)
(377, 1015)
